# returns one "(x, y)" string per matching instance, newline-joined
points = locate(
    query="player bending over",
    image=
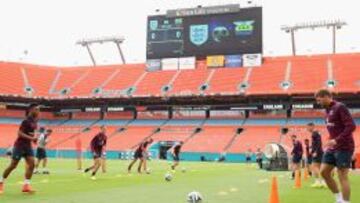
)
(97, 146)
(141, 154)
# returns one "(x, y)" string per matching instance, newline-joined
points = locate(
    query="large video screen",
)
(230, 33)
(165, 37)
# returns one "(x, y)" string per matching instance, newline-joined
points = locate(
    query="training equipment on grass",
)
(274, 193)
(194, 197)
(168, 177)
(297, 179)
(306, 174)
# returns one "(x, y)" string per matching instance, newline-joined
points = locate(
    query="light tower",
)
(334, 24)
(117, 40)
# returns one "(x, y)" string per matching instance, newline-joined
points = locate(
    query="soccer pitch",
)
(217, 182)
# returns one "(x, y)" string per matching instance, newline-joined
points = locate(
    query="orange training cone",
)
(274, 195)
(297, 179)
(306, 174)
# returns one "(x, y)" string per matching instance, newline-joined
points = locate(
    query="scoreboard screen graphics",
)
(203, 35)
(165, 37)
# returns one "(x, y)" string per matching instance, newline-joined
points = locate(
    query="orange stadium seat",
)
(12, 81)
(308, 114)
(210, 139)
(8, 135)
(347, 73)
(308, 74)
(87, 115)
(40, 79)
(267, 78)
(119, 115)
(68, 77)
(226, 81)
(188, 82)
(173, 133)
(128, 139)
(94, 79)
(254, 137)
(6, 113)
(127, 76)
(153, 82)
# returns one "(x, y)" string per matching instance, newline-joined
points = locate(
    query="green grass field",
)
(218, 183)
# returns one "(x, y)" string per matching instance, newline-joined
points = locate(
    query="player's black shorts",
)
(296, 159)
(309, 160)
(248, 159)
(96, 154)
(138, 155)
(318, 158)
(340, 159)
(18, 153)
(176, 158)
(9, 153)
(41, 153)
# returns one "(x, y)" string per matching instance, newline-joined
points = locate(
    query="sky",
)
(45, 31)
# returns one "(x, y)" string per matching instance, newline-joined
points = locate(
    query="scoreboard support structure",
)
(117, 40)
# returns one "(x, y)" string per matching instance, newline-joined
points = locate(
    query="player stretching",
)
(297, 154)
(41, 150)
(340, 147)
(23, 148)
(140, 153)
(317, 154)
(97, 146)
(176, 149)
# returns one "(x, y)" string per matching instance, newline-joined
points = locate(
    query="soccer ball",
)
(148, 171)
(194, 197)
(168, 177)
(183, 170)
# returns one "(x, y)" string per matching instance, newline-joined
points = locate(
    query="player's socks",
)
(293, 175)
(2, 179)
(1, 187)
(338, 198)
(346, 201)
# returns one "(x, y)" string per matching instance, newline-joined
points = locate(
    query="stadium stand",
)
(217, 134)
(210, 139)
(110, 81)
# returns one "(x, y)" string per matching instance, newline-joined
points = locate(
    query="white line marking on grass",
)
(234, 189)
(261, 181)
(44, 181)
(222, 193)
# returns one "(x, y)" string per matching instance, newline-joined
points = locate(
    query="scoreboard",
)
(165, 37)
(201, 35)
